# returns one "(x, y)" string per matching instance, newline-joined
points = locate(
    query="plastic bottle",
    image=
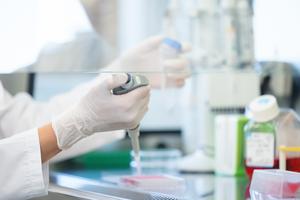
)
(169, 49)
(260, 134)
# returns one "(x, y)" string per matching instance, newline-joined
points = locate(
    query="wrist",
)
(48, 142)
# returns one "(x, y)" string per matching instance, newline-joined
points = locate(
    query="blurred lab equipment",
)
(278, 79)
(275, 185)
(238, 39)
(157, 160)
(205, 34)
(288, 136)
(211, 94)
(229, 188)
(260, 134)
(229, 144)
(230, 82)
(283, 150)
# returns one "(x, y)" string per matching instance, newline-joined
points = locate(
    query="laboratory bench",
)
(101, 184)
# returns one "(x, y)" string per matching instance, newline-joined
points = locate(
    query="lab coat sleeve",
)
(22, 174)
(30, 113)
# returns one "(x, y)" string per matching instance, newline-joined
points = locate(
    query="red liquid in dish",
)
(293, 187)
(293, 164)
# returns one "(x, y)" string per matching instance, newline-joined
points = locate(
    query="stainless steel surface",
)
(87, 189)
(198, 186)
(64, 193)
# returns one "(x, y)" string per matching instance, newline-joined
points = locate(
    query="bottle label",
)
(260, 149)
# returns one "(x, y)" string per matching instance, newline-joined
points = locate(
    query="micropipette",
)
(133, 82)
(134, 137)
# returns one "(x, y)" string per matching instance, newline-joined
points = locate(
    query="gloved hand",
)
(147, 59)
(99, 110)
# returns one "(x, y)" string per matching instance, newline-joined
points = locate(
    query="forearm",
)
(48, 142)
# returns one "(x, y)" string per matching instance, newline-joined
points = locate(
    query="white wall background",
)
(277, 30)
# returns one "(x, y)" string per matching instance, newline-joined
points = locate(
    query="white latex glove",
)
(147, 59)
(99, 110)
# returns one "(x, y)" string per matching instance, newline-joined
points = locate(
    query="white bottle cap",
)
(264, 108)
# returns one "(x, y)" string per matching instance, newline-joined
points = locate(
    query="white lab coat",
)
(22, 175)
